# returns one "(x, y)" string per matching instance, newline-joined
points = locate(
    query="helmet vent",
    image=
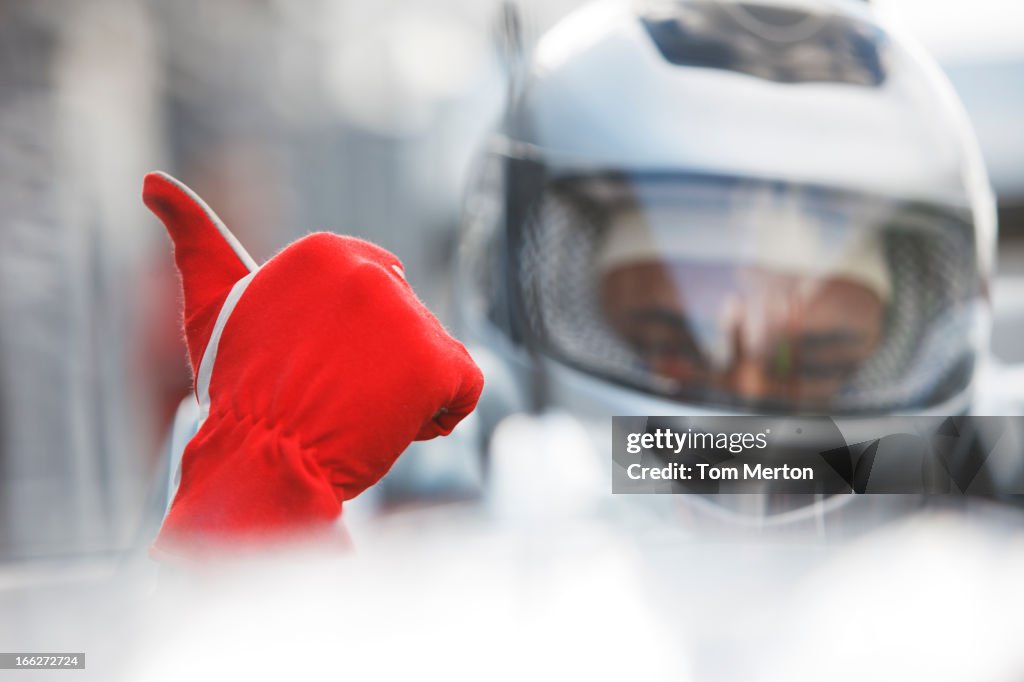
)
(784, 45)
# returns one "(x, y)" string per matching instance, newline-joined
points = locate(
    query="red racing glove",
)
(313, 373)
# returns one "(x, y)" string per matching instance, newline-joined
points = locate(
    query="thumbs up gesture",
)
(313, 371)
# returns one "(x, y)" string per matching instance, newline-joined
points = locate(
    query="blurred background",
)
(352, 116)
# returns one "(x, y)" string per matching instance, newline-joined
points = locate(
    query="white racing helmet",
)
(729, 207)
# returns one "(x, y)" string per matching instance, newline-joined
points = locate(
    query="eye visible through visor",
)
(752, 294)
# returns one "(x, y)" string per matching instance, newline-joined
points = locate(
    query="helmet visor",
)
(763, 295)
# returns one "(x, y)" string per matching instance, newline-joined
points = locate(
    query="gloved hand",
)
(313, 373)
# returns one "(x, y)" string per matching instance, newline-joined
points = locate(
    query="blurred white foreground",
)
(559, 580)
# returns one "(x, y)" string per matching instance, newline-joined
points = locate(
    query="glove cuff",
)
(246, 482)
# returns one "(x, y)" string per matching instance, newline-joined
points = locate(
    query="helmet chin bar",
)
(593, 402)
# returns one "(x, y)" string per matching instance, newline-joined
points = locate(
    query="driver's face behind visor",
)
(749, 333)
